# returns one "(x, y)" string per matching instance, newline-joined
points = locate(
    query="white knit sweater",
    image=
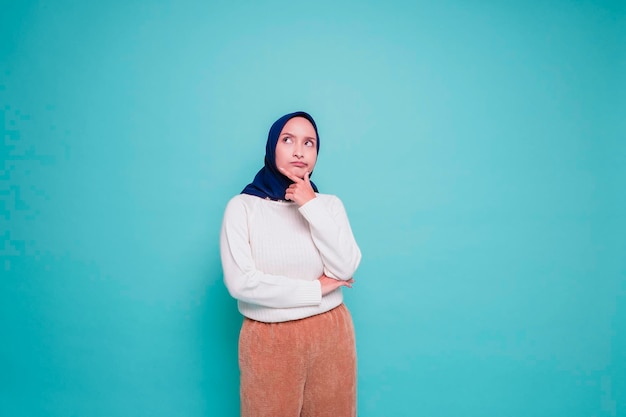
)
(273, 252)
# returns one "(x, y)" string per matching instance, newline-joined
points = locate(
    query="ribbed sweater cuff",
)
(309, 295)
(311, 209)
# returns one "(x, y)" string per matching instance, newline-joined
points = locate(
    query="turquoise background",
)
(478, 146)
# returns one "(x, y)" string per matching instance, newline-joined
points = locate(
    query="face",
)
(296, 149)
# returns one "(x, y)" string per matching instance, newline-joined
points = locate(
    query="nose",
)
(297, 151)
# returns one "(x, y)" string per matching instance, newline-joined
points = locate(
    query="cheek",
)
(281, 158)
(313, 157)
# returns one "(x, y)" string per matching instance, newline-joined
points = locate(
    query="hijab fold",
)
(269, 182)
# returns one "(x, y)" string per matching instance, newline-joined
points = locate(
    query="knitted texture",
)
(273, 253)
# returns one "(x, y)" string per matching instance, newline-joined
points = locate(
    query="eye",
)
(309, 143)
(287, 139)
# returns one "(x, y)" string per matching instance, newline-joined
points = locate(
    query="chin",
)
(298, 172)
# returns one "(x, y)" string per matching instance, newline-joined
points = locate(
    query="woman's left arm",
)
(329, 227)
(332, 234)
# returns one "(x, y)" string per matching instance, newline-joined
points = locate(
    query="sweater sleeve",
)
(245, 282)
(333, 236)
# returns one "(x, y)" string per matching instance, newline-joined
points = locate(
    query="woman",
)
(286, 252)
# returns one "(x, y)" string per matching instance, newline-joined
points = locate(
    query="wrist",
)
(307, 200)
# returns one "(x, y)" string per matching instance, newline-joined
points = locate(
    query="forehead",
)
(299, 125)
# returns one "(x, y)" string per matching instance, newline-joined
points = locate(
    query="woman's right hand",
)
(330, 284)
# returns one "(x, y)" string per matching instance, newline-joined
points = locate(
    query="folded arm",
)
(245, 282)
(332, 234)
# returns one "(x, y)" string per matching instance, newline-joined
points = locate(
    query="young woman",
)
(286, 252)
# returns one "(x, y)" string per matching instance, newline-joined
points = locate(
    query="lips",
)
(298, 164)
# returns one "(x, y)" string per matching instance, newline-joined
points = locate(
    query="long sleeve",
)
(245, 281)
(332, 234)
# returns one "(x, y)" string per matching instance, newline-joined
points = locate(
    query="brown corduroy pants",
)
(300, 368)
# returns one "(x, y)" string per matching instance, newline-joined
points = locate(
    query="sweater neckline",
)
(283, 202)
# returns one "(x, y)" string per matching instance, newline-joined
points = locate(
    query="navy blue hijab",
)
(269, 182)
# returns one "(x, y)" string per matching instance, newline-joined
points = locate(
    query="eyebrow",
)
(291, 134)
